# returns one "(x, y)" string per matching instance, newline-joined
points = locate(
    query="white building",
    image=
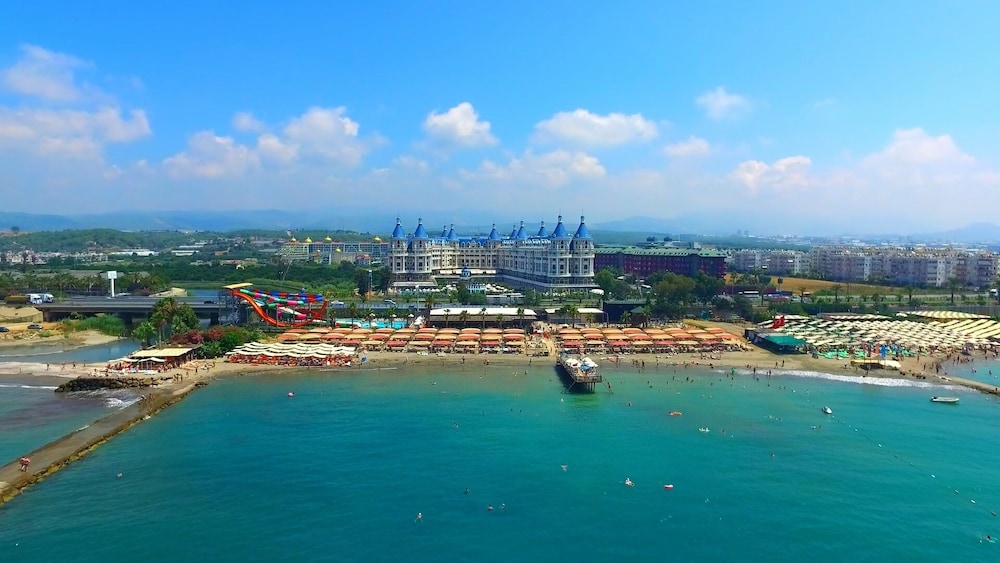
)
(544, 261)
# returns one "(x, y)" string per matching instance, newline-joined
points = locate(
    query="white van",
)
(35, 298)
(48, 298)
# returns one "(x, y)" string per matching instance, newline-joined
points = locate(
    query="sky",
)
(805, 115)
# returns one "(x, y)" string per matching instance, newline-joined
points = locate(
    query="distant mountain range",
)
(380, 222)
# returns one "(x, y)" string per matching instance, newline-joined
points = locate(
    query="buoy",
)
(668, 487)
(290, 394)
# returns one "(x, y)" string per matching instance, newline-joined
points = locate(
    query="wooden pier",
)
(580, 373)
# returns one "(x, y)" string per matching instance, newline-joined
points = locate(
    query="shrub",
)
(16, 300)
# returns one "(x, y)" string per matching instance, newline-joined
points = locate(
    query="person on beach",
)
(25, 461)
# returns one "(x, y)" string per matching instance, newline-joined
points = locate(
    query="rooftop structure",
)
(543, 260)
(631, 260)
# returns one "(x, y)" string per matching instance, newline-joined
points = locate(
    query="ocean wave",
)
(869, 380)
(48, 387)
(116, 403)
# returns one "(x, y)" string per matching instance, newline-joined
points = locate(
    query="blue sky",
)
(838, 113)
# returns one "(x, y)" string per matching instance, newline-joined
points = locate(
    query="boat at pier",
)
(580, 372)
(951, 400)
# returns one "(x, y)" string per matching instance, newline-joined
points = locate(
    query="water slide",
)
(301, 318)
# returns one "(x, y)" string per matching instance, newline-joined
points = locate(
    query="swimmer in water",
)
(489, 508)
(564, 467)
(466, 490)
(629, 483)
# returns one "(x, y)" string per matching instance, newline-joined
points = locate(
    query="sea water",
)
(241, 471)
(54, 353)
(32, 414)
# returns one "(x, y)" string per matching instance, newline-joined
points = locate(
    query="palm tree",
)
(464, 317)
(446, 313)
(392, 313)
(836, 292)
(571, 311)
(483, 313)
(520, 316)
(953, 284)
(499, 319)
(352, 311)
(429, 301)
(626, 317)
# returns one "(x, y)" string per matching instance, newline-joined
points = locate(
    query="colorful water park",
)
(281, 309)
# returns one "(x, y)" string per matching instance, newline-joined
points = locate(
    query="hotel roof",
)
(637, 251)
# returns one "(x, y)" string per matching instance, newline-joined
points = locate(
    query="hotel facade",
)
(544, 261)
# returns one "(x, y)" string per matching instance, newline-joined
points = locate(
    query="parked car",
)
(34, 326)
(4, 329)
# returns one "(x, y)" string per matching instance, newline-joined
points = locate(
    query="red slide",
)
(310, 316)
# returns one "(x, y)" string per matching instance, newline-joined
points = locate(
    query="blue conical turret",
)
(444, 231)
(560, 230)
(452, 237)
(513, 233)
(494, 235)
(421, 232)
(521, 233)
(581, 231)
(543, 232)
(398, 232)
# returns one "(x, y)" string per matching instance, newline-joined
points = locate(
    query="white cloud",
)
(245, 121)
(553, 169)
(411, 163)
(720, 104)
(321, 135)
(585, 128)
(44, 74)
(327, 133)
(914, 147)
(460, 126)
(792, 171)
(825, 103)
(210, 156)
(48, 131)
(691, 148)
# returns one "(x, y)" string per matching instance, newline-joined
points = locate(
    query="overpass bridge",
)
(128, 308)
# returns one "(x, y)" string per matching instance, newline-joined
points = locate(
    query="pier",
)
(581, 373)
(56, 455)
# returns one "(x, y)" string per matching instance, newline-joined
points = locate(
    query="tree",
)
(352, 311)
(499, 320)
(953, 285)
(836, 292)
(483, 313)
(520, 316)
(144, 332)
(464, 317)
(392, 312)
(429, 301)
(446, 313)
(706, 287)
(626, 317)
(462, 293)
(606, 281)
(570, 310)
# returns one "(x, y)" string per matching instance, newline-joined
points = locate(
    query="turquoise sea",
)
(241, 471)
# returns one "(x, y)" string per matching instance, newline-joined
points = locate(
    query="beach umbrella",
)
(381, 336)
(632, 330)
(384, 330)
(468, 336)
(467, 343)
(420, 343)
(330, 336)
(446, 336)
(566, 336)
(595, 343)
(424, 336)
(687, 342)
(395, 343)
(492, 331)
(705, 336)
(427, 330)
(449, 331)
(513, 337)
(513, 331)
(490, 337)
(469, 330)
(714, 329)
(320, 329)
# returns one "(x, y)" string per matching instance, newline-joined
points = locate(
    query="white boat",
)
(827, 410)
(944, 400)
(704, 430)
